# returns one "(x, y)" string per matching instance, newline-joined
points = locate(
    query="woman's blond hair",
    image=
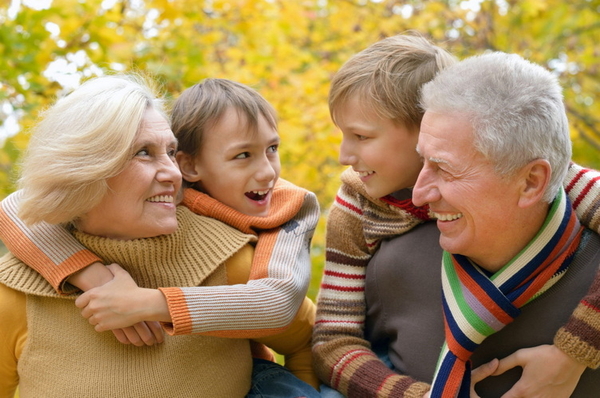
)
(81, 141)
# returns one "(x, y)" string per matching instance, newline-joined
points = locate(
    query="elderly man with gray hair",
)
(495, 145)
(515, 261)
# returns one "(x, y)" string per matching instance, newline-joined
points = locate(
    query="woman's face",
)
(141, 200)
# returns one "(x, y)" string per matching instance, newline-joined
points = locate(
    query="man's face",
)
(477, 209)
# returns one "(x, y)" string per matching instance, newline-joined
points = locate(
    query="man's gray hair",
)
(515, 107)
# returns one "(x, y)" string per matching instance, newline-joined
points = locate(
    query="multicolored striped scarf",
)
(477, 304)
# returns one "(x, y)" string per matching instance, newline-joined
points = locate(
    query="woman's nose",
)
(169, 170)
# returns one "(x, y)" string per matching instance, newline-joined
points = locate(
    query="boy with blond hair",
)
(374, 100)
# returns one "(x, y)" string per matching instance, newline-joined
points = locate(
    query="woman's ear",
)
(536, 177)
(187, 164)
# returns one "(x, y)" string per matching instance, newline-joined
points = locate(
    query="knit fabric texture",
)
(94, 364)
(279, 275)
(356, 225)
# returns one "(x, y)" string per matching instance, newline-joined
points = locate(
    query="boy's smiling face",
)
(382, 152)
(236, 166)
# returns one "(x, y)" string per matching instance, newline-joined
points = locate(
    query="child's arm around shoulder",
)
(49, 249)
(56, 255)
(580, 337)
(278, 279)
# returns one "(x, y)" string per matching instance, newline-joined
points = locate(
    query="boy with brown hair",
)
(228, 155)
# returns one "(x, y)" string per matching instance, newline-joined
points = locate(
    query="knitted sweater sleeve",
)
(343, 358)
(580, 337)
(268, 303)
(49, 249)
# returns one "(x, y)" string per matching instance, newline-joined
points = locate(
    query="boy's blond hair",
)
(201, 106)
(388, 76)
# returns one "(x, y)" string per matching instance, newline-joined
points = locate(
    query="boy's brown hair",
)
(201, 106)
(388, 75)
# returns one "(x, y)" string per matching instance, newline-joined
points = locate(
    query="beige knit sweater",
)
(64, 356)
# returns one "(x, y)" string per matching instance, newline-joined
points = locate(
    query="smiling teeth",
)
(365, 173)
(260, 192)
(161, 198)
(445, 217)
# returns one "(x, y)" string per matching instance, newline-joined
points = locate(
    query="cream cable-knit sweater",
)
(64, 356)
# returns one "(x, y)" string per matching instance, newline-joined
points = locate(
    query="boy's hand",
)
(547, 372)
(141, 333)
(120, 303)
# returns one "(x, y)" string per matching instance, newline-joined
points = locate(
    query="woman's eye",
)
(142, 152)
(243, 155)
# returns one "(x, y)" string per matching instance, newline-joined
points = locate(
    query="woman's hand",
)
(547, 372)
(121, 304)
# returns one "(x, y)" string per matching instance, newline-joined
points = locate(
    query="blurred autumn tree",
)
(287, 50)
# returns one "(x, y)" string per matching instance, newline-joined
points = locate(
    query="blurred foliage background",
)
(288, 51)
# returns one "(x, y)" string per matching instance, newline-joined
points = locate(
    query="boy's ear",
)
(536, 177)
(187, 165)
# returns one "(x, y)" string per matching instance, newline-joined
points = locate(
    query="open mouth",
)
(257, 195)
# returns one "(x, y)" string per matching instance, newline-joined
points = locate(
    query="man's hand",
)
(547, 372)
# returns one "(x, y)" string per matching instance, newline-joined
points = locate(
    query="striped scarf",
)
(477, 304)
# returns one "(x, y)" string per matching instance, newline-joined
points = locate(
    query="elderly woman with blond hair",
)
(102, 160)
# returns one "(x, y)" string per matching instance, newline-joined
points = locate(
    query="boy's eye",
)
(361, 137)
(243, 155)
(273, 148)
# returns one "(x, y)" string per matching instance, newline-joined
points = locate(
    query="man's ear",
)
(535, 179)
(187, 164)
